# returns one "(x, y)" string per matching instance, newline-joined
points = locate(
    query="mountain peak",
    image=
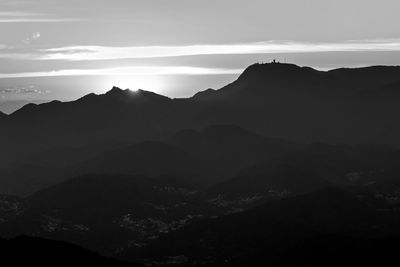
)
(261, 79)
(138, 95)
(257, 71)
(116, 90)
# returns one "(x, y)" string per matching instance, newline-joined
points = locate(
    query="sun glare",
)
(135, 82)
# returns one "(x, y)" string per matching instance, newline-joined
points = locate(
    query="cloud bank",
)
(29, 17)
(21, 90)
(124, 71)
(98, 53)
(84, 53)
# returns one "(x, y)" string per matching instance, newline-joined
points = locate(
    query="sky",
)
(64, 49)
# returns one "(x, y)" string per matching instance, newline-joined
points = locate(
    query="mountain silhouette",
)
(117, 115)
(97, 199)
(203, 159)
(152, 159)
(230, 146)
(265, 79)
(262, 80)
(313, 167)
(2, 116)
(10, 106)
(283, 160)
(315, 105)
(271, 178)
(125, 96)
(276, 100)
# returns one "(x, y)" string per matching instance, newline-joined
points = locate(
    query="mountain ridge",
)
(125, 96)
(252, 71)
(276, 100)
(291, 73)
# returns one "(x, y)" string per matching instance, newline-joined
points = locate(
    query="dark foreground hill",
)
(107, 213)
(161, 221)
(24, 250)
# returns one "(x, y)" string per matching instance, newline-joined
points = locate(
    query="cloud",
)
(97, 53)
(15, 14)
(28, 17)
(36, 35)
(84, 53)
(33, 37)
(125, 71)
(16, 3)
(21, 90)
(33, 20)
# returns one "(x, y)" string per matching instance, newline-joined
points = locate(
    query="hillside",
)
(329, 221)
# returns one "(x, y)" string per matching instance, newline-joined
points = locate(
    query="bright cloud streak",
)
(33, 20)
(16, 14)
(27, 17)
(83, 53)
(125, 71)
(92, 53)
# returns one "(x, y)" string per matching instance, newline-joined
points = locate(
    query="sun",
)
(135, 82)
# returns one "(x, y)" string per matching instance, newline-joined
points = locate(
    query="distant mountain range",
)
(10, 106)
(199, 158)
(276, 100)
